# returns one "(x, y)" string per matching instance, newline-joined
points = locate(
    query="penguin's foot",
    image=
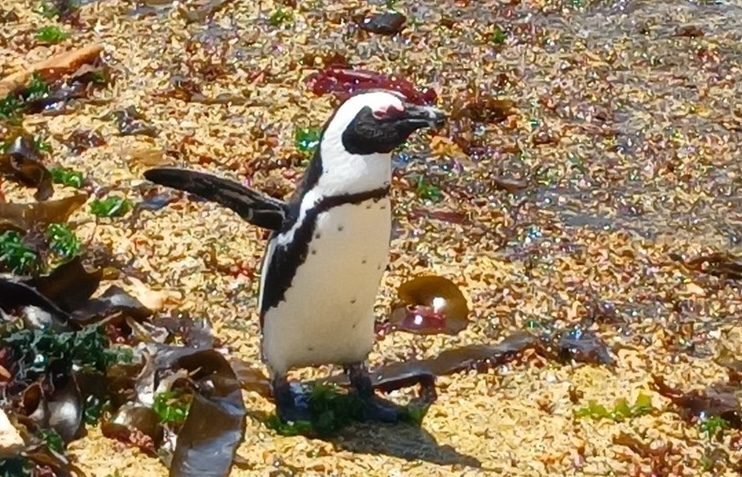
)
(291, 406)
(375, 408)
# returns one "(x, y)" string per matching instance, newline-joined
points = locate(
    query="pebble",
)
(11, 442)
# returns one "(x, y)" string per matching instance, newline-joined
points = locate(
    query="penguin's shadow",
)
(403, 441)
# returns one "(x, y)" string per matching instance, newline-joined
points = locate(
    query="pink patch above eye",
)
(387, 111)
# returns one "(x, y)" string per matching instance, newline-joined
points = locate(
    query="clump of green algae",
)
(172, 406)
(111, 206)
(332, 410)
(51, 35)
(621, 409)
(68, 177)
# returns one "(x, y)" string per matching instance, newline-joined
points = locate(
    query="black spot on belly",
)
(309, 348)
(340, 228)
(313, 252)
(353, 302)
(378, 267)
(317, 236)
(364, 261)
(287, 257)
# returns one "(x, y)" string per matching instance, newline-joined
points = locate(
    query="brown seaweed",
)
(131, 122)
(386, 23)
(23, 161)
(208, 441)
(718, 264)
(479, 357)
(24, 216)
(717, 400)
(114, 300)
(69, 286)
(16, 295)
(137, 425)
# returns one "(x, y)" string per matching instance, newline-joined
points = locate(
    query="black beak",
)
(422, 116)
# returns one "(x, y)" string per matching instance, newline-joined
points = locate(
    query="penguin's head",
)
(378, 121)
(355, 148)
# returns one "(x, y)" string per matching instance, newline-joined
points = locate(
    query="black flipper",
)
(254, 207)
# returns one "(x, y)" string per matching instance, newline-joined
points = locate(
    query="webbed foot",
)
(376, 409)
(291, 405)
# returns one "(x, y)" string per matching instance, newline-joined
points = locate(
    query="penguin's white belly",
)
(327, 316)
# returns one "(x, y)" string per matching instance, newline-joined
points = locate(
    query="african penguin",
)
(329, 245)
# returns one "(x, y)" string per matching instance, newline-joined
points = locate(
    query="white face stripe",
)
(376, 100)
(343, 172)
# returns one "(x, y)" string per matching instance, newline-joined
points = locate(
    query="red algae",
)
(343, 82)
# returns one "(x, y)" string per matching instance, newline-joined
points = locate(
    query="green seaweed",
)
(280, 17)
(306, 140)
(62, 240)
(94, 409)
(111, 207)
(17, 467)
(426, 190)
(332, 410)
(621, 409)
(51, 34)
(172, 406)
(498, 37)
(10, 106)
(52, 439)
(68, 177)
(712, 426)
(37, 88)
(35, 348)
(16, 255)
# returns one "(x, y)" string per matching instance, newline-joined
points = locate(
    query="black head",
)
(378, 121)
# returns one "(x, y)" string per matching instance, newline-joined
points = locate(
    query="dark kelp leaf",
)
(35, 405)
(251, 378)
(582, 346)
(136, 425)
(116, 385)
(83, 139)
(431, 305)
(386, 23)
(69, 286)
(131, 122)
(66, 404)
(193, 333)
(24, 216)
(114, 300)
(60, 465)
(15, 295)
(215, 425)
(451, 361)
(22, 160)
(509, 185)
(718, 400)
(388, 382)
(718, 264)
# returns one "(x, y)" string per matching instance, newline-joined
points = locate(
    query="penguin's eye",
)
(388, 112)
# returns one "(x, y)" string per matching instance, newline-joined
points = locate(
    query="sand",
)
(627, 133)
